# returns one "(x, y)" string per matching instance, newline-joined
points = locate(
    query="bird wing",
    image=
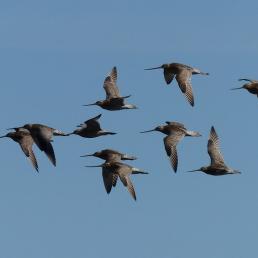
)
(110, 86)
(168, 75)
(184, 81)
(93, 124)
(128, 183)
(43, 140)
(123, 172)
(107, 179)
(170, 143)
(115, 176)
(26, 143)
(214, 148)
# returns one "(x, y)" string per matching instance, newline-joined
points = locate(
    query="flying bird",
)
(24, 139)
(91, 129)
(123, 171)
(110, 155)
(183, 74)
(42, 136)
(217, 166)
(114, 101)
(175, 133)
(251, 86)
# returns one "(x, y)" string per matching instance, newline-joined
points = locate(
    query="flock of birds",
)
(113, 167)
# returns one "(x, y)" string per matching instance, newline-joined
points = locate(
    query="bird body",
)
(91, 129)
(25, 140)
(217, 166)
(183, 74)
(114, 101)
(175, 133)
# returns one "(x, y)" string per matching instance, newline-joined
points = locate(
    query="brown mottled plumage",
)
(217, 166)
(123, 171)
(23, 137)
(175, 133)
(114, 101)
(183, 74)
(109, 155)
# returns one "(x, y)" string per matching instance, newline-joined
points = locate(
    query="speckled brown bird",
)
(24, 139)
(175, 133)
(183, 74)
(123, 171)
(114, 101)
(217, 166)
(110, 155)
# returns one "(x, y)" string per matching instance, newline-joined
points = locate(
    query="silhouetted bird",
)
(175, 133)
(123, 171)
(42, 136)
(113, 100)
(217, 166)
(252, 86)
(91, 129)
(183, 75)
(23, 137)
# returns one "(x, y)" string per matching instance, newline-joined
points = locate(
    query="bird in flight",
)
(175, 133)
(24, 139)
(114, 101)
(183, 74)
(217, 166)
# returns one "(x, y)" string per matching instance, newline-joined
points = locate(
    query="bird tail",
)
(193, 133)
(128, 157)
(60, 133)
(197, 71)
(138, 171)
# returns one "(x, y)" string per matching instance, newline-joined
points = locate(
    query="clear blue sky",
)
(54, 57)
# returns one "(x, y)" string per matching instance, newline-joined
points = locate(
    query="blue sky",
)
(54, 58)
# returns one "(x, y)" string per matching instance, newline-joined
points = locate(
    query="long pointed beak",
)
(195, 170)
(153, 130)
(87, 155)
(14, 128)
(96, 166)
(243, 79)
(92, 104)
(153, 68)
(3, 136)
(237, 88)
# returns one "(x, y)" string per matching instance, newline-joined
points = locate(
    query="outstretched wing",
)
(107, 179)
(110, 86)
(26, 143)
(170, 143)
(168, 75)
(93, 124)
(214, 148)
(128, 183)
(184, 82)
(42, 137)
